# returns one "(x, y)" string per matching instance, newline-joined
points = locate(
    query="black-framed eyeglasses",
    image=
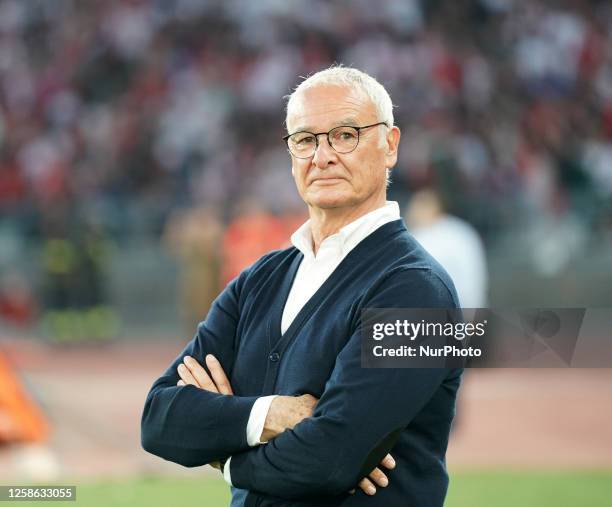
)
(342, 139)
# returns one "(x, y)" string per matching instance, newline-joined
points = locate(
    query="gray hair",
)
(357, 79)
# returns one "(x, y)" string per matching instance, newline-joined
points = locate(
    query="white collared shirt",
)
(314, 270)
(311, 274)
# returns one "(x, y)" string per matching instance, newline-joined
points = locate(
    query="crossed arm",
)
(326, 453)
(285, 412)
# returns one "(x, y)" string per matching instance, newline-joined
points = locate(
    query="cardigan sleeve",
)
(191, 426)
(359, 411)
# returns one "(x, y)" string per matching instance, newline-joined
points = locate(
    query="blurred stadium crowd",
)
(131, 118)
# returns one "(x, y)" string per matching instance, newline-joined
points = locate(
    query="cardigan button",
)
(275, 356)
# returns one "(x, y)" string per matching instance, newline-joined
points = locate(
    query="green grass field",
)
(468, 489)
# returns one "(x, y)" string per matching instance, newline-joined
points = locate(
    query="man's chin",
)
(331, 201)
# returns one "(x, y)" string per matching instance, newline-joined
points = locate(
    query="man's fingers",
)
(388, 462)
(376, 478)
(218, 375)
(379, 478)
(186, 375)
(367, 487)
(199, 374)
(192, 372)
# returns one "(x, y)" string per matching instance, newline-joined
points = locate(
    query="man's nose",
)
(324, 154)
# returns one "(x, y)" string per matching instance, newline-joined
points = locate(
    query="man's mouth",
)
(327, 180)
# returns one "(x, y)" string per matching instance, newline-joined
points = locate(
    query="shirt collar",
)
(351, 234)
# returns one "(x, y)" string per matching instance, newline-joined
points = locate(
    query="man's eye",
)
(304, 140)
(345, 135)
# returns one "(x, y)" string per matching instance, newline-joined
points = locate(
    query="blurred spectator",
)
(253, 233)
(74, 256)
(453, 243)
(17, 302)
(194, 237)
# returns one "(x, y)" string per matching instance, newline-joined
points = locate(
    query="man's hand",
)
(192, 373)
(286, 411)
(284, 414)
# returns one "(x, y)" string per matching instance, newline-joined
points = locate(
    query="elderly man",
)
(283, 405)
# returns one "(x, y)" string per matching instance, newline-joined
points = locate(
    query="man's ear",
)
(393, 138)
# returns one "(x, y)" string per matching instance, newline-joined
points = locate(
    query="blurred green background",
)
(467, 489)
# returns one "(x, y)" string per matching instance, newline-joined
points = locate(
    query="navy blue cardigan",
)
(361, 412)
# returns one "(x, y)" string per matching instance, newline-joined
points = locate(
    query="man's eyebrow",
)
(301, 129)
(348, 120)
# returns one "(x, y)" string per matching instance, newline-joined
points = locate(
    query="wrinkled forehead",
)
(324, 106)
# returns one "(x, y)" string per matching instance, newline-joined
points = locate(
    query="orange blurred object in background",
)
(20, 418)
